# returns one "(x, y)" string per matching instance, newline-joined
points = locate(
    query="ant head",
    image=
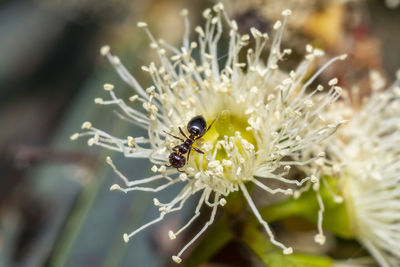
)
(197, 126)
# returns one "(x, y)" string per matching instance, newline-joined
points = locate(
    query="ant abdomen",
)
(177, 160)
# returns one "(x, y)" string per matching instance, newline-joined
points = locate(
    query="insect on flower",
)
(266, 119)
(196, 127)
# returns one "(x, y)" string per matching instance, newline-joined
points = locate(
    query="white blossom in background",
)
(365, 155)
(264, 117)
(392, 3)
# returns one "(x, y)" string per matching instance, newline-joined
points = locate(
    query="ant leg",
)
(182, 133)
(166, 165)
(182, 171)
(195, 149)
(208, 128)
(198, 150)
(176, 137)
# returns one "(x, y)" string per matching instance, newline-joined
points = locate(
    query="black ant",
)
(196, 127)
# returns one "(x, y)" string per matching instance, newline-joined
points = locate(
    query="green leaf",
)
(335, 218)
(272, 256)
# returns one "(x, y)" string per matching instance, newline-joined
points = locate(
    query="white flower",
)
(366, 157)
(264, 117)
(392, 3)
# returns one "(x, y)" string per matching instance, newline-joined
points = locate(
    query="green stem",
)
(216, 238)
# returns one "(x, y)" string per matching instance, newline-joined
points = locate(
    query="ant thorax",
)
(180, 154)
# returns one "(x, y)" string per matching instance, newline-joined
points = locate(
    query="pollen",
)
(171, 235)
(126, 238)
(108, 87)
(320, 239)
(104, 50)
(86, 125)
(176, 259)
(74, 137)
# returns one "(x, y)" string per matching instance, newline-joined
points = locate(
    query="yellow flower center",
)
(227, 124)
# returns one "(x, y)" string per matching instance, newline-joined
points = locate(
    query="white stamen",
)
(108, 87)
(104, 50)
(74, 136)
(86, 125)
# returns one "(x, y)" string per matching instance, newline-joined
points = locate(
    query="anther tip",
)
(277, 25)
(286, 12)
(156, 202)
(154, 168)
(74, 136)
(320, 239)
(115, 187)
(171, 235)
(288, 251)
(126, 238)
(108, 87)
(176, 259)
(289, 192)
(86, 125)
(91, 141)
(314, 179)
(184, 12)
(104, 50)
(142, 24)
(98, 100)
(338, 199)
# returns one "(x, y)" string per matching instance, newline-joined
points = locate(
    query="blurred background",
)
(55, 205)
